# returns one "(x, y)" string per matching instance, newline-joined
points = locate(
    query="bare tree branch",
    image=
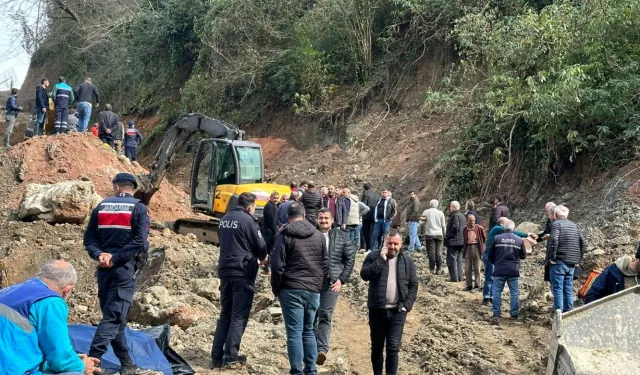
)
(67, 10)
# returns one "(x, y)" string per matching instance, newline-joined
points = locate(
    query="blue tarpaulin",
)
(143, 349)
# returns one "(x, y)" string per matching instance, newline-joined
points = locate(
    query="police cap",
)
(125, 177)
(131, 123)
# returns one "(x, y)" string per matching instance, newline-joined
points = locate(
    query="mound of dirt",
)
(52, 159)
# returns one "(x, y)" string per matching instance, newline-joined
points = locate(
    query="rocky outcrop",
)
(63, 202)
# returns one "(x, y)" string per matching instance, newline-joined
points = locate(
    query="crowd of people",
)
(307, 242)
(109, 128)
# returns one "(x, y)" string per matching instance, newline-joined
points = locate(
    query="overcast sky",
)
(14, 60)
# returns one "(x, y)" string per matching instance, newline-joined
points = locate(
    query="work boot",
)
(469, 288)
(485, 301)
(215, 364)
(322, 357)
(495, 320)
(127, 367)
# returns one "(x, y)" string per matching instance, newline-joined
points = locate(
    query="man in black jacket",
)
(393, 288)
(342, 256)
(499, 210)
(42, 106)
(109, 123)
(269, 226)
(85, 92)
(384, 211)
(299, 266)
(241, 246)
(565, 249)
(370, 198)
(312, 202)
(454, 241)
(550, 212)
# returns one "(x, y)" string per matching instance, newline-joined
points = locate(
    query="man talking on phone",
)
(393, 287)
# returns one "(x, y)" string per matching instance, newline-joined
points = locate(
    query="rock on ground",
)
(62, 202)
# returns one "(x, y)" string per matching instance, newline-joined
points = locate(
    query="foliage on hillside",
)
(544, 90)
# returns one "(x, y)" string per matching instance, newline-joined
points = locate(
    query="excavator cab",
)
(222, 170)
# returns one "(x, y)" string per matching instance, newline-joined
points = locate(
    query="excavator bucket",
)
(145, 189)
(600, 338)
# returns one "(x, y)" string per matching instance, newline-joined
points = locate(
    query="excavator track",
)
(205, 230)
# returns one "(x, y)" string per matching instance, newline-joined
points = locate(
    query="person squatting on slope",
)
(132, 140)
(33, 322)
(116, 237)
(622, 274)
(242, 251)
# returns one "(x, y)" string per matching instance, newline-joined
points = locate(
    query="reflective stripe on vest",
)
(16, 318)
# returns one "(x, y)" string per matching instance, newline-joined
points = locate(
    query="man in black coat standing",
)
(455, 241)
(370, 198)
(393, 288)
(241, 249)
(269, 226)
(312, 202)
(499, 210)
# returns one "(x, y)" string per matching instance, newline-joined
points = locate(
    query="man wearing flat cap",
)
(116, 237)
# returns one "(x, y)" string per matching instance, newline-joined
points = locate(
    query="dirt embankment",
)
(51, 159)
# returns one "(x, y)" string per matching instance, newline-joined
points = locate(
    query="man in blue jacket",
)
(12, 113)
(62, 98)
(622, 274)
(116, 237)
(132, 139)
(33, 322)
(487, 292)
(242, 251)
(505, 253)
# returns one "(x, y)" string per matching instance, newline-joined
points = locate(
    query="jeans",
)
(380, 229)
(434, 252)
(454, 262)
(328, 300)
(356, 236)
(236, 298)
(514, 292)
(11, 120)
(299, 309)
(386, 325)
(84, 114)
(414, 240)
(41, 117)
(487, 291)
(561, 277)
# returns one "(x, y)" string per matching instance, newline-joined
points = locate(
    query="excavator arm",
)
(175, 139)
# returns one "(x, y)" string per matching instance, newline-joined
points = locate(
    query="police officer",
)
(241, 246)
(116, 237)
(132, 139)
(62, 97)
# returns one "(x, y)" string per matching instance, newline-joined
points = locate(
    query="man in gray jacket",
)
(434, 233)
(342, 256)
(565, 249)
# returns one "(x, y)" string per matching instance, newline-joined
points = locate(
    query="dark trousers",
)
(115, 292)
(108, 139)
(454, 262)
(434, 252)
(236, 299)
(386, 326)
(131, 153)
(367, 231)
(328, 300)
(62, 118)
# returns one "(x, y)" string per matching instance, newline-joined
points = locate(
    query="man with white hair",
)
(33, 322)
(565, 249)
(454, 241)
(434, 229)
(505, 253)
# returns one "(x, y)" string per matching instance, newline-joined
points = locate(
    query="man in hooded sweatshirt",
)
(622, 274)
(299, 266)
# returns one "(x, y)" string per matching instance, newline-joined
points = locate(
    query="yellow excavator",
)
(224, 166)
